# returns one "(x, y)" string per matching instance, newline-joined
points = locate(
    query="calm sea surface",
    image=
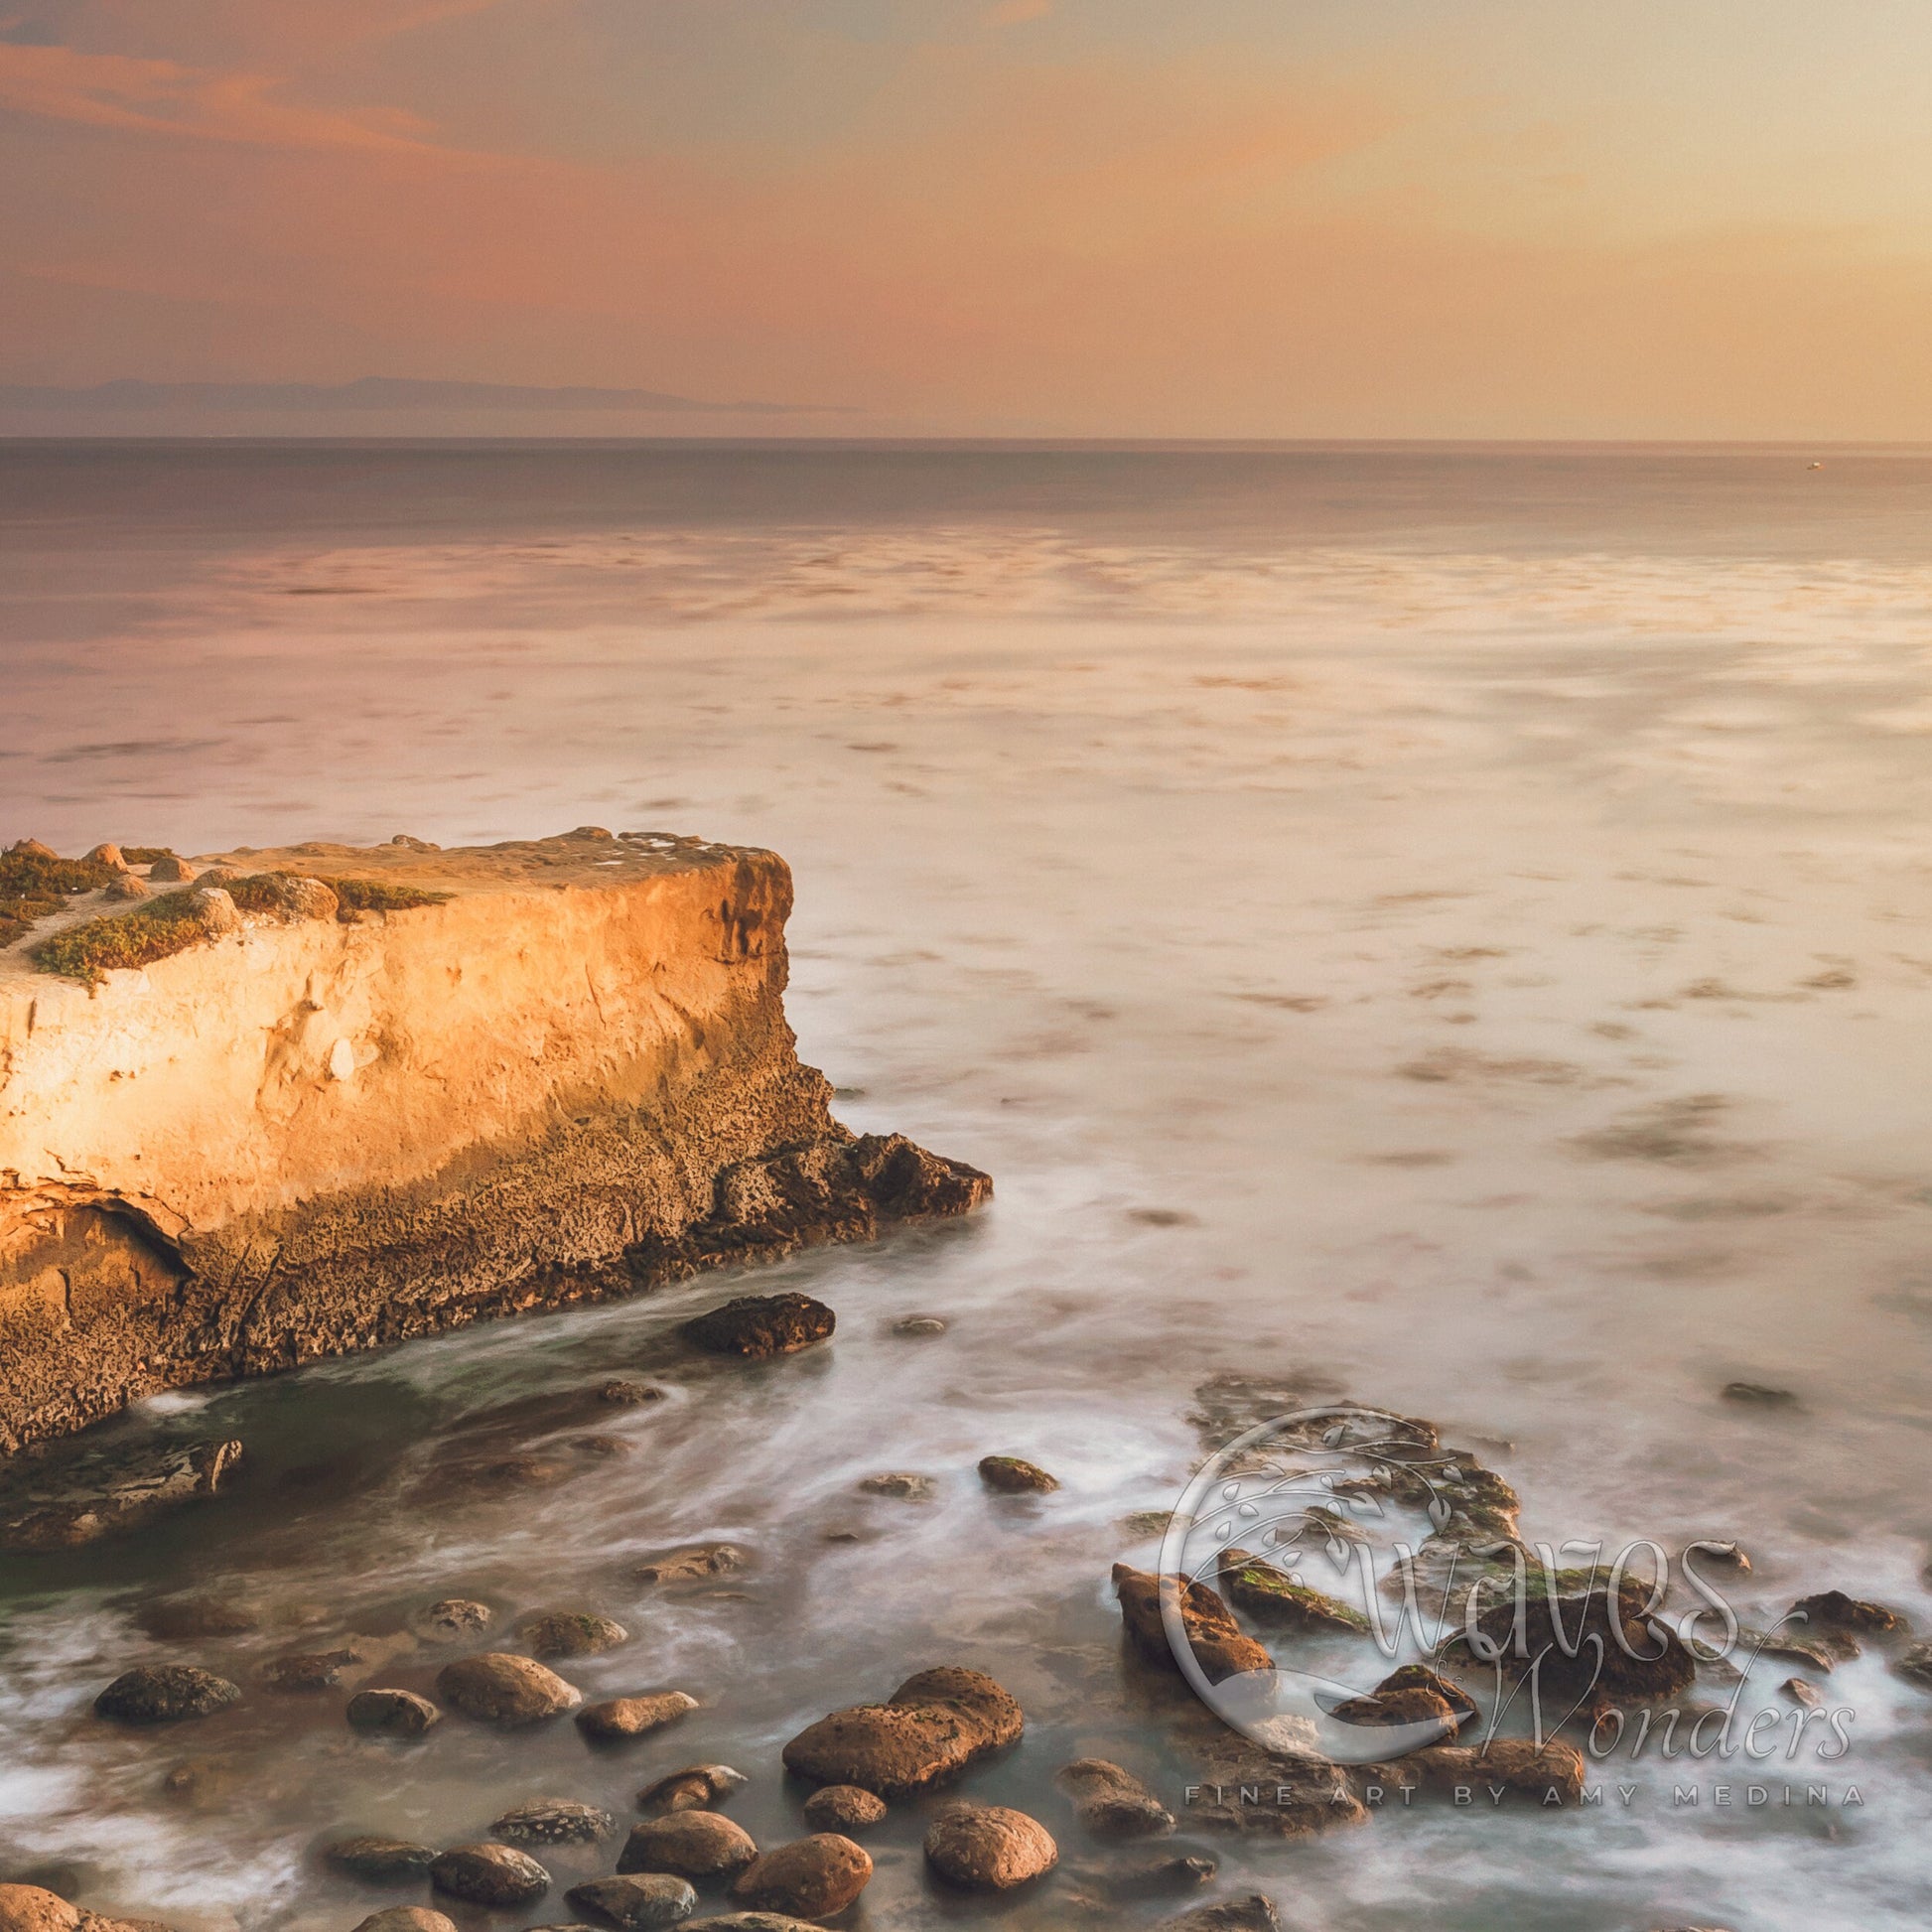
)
(1448, 925)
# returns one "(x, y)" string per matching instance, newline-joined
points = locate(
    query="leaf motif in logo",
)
(1438, 1511)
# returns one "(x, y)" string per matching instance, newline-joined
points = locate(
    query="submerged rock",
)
(395, 1714)
(698, 1787)
(1151, 1877)
(1758, 1395)
(1220, 1645)
(1254, 1913)
(633, 1716)
(165, 1694)
(381, 1861)
(500, 1688)
(571, 1634)
(1515, 1763)
(813, 1877)
(903, 1485)
(1591, 1646)
(1111, 1802)
(1410, 1705)
(689, 1844)
(1801, 1691)
(933, 1725)
(1009, 1475)
(989, 1848)
(490, 1875)
(635, 1903)
(843, 1807)
(554, 1821)
(756, 1327)
(406, 1919)
(1832, 1609)
(692, 1565)
(919, 1327)
(628, 1395)
(1915, 1666)
(62, 1503)
(181, 1620)
(309, 1671)
(452, 1621)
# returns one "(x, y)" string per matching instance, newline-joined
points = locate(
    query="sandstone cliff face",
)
(571, 1078)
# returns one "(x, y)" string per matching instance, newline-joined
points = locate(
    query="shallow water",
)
(1448, 926)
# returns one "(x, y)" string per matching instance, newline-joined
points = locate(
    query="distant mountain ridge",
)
(376, 392)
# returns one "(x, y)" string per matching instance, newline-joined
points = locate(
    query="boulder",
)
(1634, 1658)
(1220, 1646)
(1407, 1705)
(455, 1619)
(753, 1922)
(934, 1724)
(756, 1327)
(309, 1671)
(109, 853)
(692, 1565)
(124, 886)
(1009, 1475)
(691, 1844)
(1832, 1609)
(1151, 1877)
(31, 1908)
(571, 1634)
(500, 1688)
(620, 1394)
(406, 1919)
(1254, 1913)
(697, 1787)
(1268, 1592)
(904, 1486)
(1111, 1802)
(214, 910)
(381, 1861)
(171, 870)
(633, 1716)
(181, 1619)
(554, 1821)
(395, 1714)
(989, 1848)
(499, 1875)
(1915, 1665)
(813, 1877)
(634, 1905)
(1514, 1764)
(843, 1807)
(1418, 1677)
(1801, 1691)
(165, 1694)
(31, 849)
(291, 896)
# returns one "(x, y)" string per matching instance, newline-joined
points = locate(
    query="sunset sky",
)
(1089, 217)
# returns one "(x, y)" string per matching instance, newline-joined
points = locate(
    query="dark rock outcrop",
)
(165, 1694)
(756, 1327)
(393, 1714)
(1010, 1475)
(1220, 1646)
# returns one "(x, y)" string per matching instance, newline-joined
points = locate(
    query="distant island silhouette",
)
(380, 393)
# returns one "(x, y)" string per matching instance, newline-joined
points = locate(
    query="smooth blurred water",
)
(1449, 925)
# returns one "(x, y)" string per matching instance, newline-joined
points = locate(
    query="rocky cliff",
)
(318, 1127)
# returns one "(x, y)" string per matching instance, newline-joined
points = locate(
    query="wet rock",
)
(843, 1807)
(1254, 1913)
(500, 1688)
(933, 1725)
(1724, 1555)
(690, 1843)
(1418, 1677)
(1145, 1523)
(455, 1619)
(1009, 1475)
(692, 1565)
(628, 1395)
(813, 1877)
(1152, 1877)
(901, 1484)
(181, 1619)
(554, 1821)
(919, 1327)
(633, 1716)
(1832, 1609)
(989, 1848)
(201, 1783)
(171, 870)
(1592, 1646)
(406, 1919)
(1756, 1395)
(755, 1922)
(309, 1671)
(490, 1875)
(31, 1908)
(165, 1694)
(634, 1905)
(1111, 1802)
(1411, 1704)
(571, 1634)
(1299, 1792)
(1802, 1691)
(1820, 1651)
(1914, 1665)
(1265, 1591)
(1220, 1646)
(757, 1326)
(380, 1860)
(63, 1502)
(1514, 1764)
(393, 1714)
(698, 1787)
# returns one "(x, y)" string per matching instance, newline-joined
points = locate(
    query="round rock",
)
(989, 1848)
(171, 870)
(633, 1716)
(381, 1861)
(455, 1619)
(696, 1788)
(406, 1919)
(395, 1714)
(165, 1694)
(571, 1634)
(32, 1909)
(843, 1807)
(1010, 1475)
(490, 1875)
(500, 1688)
(690, 1843)
(634, 1905)
(813, 1877)
(755, 1327)
(554, 1821)
(1111, 1802)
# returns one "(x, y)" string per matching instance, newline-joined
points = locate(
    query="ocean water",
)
(1448, 926)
